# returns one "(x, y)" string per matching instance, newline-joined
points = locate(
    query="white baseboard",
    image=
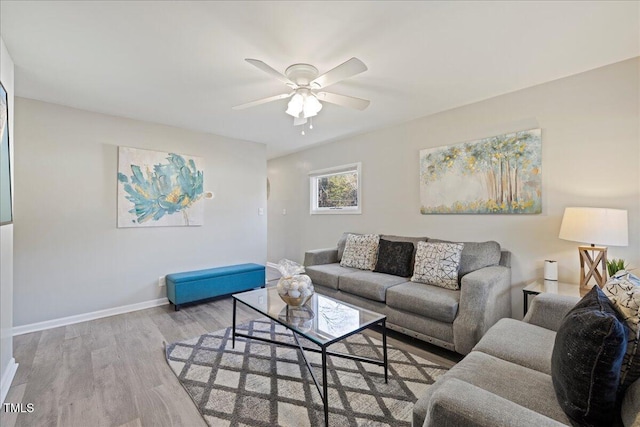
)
(63, 321)
(7, 379)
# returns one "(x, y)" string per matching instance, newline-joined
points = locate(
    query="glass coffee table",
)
(323, 321)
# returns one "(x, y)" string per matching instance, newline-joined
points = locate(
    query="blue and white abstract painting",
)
(159, 189)
(6, 211)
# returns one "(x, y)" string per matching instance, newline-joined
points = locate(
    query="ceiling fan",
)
(305, 83)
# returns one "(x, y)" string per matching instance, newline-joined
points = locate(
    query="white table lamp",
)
(596, 226)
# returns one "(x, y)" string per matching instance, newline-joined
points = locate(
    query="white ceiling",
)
(182, 63)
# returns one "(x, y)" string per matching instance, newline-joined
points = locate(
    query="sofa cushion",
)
(437, 264)
(586, 360)
(394, 258)
(476, 255)
(523, 386)
(368, 284)
(361, 251)
(327, 274)
(429, 301)
(533, 348)
(623, 290)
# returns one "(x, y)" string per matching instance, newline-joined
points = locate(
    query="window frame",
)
(336, 170)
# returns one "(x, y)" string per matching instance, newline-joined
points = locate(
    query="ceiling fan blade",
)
(343, 71)
(269, 70)
(297, 121)
(262, 101)
(343, 100)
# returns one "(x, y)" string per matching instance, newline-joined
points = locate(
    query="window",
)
(336, 190)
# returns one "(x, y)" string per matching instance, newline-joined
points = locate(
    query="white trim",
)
(313, 190)
(7, 379)
(336, 169)
(63, 321)
(336, 211)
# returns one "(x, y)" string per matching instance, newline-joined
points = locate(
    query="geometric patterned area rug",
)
(262, 384)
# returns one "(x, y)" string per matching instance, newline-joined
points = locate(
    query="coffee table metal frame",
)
(323, 348)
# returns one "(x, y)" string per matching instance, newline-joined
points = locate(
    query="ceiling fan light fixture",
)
(294, 111)
(304, 80)
(303, 104)
(295, 106)
(311, 106)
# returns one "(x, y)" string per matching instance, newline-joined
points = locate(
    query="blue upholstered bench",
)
(198, 285)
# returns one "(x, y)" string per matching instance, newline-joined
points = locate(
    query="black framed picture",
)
(6, 209)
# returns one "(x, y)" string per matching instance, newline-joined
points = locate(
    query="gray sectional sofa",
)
(506, 379)
(453, 319)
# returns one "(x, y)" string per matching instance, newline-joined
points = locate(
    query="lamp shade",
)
(599, 226)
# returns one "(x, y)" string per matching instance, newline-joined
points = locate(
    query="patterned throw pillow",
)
(438, 264)
(361, 251)
(394, 258)
(623, 290)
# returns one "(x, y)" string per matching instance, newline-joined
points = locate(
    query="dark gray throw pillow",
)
(586, 361)
(394, 258)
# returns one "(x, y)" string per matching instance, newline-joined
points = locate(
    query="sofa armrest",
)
(485, 298)
(320, 256)
(631, 405)
(457, 403)
(548, 310)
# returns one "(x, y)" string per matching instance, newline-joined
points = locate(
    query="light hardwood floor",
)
(112, 371)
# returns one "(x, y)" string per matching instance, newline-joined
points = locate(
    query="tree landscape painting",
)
(159, 189)
(496, 175)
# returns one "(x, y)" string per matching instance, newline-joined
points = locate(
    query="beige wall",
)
(70, 258)
(591, 151)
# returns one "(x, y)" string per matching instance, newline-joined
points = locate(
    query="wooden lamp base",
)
(592, 257)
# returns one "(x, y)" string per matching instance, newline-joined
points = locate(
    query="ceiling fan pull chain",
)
(310, 122)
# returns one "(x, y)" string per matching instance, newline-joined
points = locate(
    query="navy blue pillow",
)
(586, 361)
(395, 258)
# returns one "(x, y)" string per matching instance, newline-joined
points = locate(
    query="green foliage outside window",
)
(336, 191)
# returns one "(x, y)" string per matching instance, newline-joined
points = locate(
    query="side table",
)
(551, 287)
